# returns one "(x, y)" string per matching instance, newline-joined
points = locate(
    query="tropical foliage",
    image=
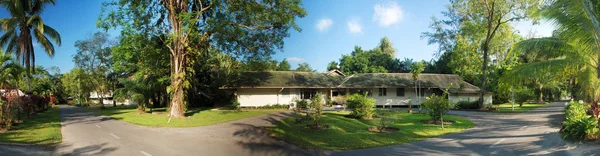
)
(361, 105)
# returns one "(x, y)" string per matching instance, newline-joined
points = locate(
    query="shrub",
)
(301, 104)
(522, 95)
(341, 100)
(578, 124)
(316, 107)
(467, 105)
(362, 106)
(385, 119)
(437, 106)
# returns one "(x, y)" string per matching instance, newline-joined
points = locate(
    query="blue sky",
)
(331, 28)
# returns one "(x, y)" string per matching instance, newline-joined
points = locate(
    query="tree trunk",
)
(540, 95)
(101, 101)
(177, 100)
(179, 56)
(483, 75)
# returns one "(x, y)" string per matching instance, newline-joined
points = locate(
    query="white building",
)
(108, 99)
(388, 89)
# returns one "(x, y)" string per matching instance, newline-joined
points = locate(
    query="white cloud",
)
(388, 14)
(324, 24)
(294, 59)
(354, 26)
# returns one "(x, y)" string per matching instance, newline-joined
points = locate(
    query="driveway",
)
(531, 133)
(86, 133)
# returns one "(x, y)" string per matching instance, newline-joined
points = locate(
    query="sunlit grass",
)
(195, 117)
(44, 129)
(347, 133)
(507, 107)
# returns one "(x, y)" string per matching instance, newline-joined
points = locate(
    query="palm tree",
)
(416, 69)
(574, 50)
(25, 24)
(10, 71)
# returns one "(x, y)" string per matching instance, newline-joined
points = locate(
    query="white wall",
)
(110, 102)
(392, 99)
(253, 97)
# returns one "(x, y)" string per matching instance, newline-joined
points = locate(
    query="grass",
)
(507, 107)
(44, 129)
(347, 133)
(195, 117)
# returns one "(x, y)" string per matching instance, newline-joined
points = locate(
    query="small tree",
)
(385, 119)
(316, 108)
(438, 106)
(362, 106)
(522, 95)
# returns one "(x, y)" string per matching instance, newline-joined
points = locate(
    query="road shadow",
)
(99, 149)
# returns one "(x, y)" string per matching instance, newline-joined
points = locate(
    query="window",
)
(422, 90)
(382, 91)
(285, 93)
(338, 92)
(362, 91)
(307, 93)
(399, 91)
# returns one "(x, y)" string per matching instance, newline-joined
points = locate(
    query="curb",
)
(17, 144)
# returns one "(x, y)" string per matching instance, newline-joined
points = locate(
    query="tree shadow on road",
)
(99, 149)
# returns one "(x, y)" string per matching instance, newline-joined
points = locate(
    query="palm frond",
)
(8, 23)
(53, 34)
(45, 42)
(36, 22)
(537, 49)
(7, 37)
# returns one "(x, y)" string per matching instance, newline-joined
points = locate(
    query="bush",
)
(578, 124)
(467, 105)
(362, 106)
(301, 104)
(437, 106)
(385, 119)
(522, 95)
(341, 100)
(235, 105)
(316, 107)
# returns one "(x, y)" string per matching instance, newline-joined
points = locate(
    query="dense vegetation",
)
(19, 31)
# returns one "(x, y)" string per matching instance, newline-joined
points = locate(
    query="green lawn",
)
(44, 129)
(346, 133)
(195, 117)
(507, 107)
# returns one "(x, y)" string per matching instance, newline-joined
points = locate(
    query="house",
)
(284, 87)
(3, 92)
(108, 99)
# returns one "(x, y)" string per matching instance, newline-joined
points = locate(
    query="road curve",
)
(86, 133)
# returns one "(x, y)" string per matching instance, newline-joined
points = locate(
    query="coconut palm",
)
(10, 71)
(573, 51)
(25, 24)
(416, 69)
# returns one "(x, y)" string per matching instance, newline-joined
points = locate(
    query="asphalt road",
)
(86, 133)
(531, 133)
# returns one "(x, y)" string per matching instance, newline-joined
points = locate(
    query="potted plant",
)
(409, 107)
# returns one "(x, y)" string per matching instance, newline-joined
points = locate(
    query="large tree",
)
(493, 14)
(284, 65)
(251, 29)
(23, 25)
(476, 30)
(94, 57)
